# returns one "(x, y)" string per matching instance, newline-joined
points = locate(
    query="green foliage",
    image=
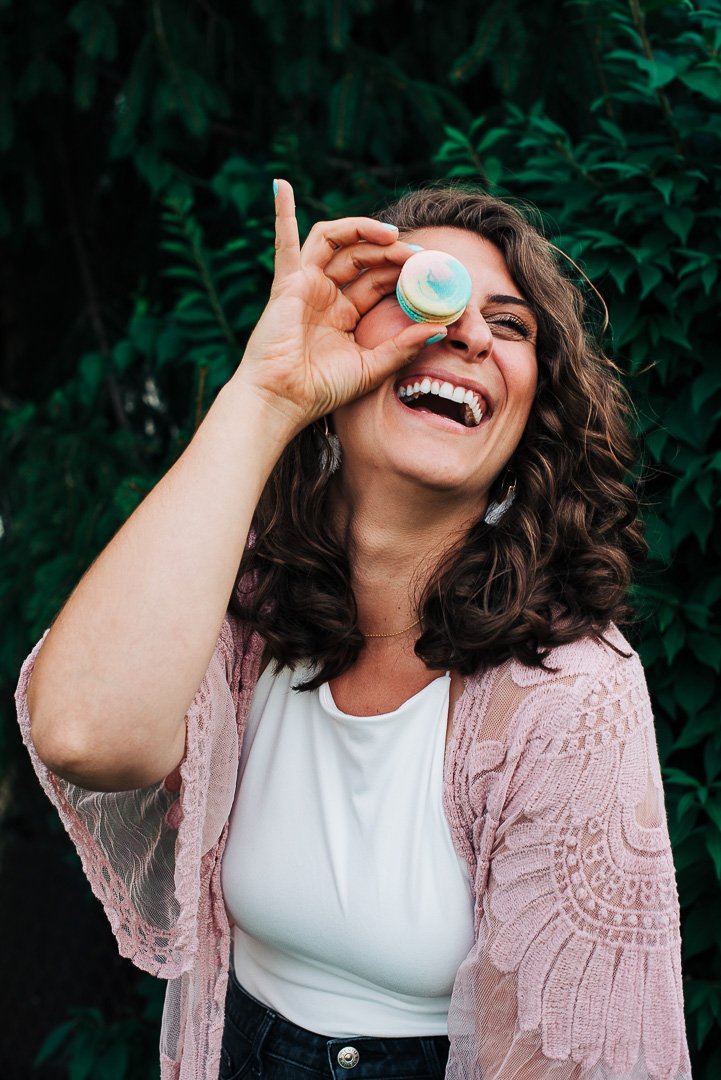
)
(139, 211)
(94, 1049)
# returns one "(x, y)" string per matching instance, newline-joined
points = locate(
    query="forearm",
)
(128, 651)
(122, 662)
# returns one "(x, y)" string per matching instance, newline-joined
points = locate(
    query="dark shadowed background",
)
(139, 142)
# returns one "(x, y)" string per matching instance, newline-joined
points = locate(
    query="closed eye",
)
(509, 325)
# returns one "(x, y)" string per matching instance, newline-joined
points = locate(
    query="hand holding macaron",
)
(303, 359)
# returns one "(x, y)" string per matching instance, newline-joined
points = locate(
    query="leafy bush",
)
(143, 146)
(124, 1049)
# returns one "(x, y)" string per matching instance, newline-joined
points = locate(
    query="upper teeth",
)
(460, 394)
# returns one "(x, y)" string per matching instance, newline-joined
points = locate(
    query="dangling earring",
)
(496, 510)
(333, 451)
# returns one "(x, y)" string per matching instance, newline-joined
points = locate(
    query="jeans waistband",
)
(363, 1056)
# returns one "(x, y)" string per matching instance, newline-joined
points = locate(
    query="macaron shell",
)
(419, 316)
(433, 287)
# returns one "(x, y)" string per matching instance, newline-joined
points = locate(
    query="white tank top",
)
(352, 909)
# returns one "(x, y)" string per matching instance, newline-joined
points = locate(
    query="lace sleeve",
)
(576, 970)
(142, 850)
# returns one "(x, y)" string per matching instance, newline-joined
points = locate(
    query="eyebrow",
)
(499, 298)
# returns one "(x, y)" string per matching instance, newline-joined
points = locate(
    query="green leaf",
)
(337, 23)
(123, 355)
(665, 185)
(151, 165)
(706, 80)
(713, 809)
(712, 841)
(53, 1041)
(169, 344)
(696, 729)
(712, 762)
(187, 273)
(707, 647)
(344, 106)
(678, 776)
(687, 804)
(661, 73)
(84, 82)
(650, 276)
(92, 371)
(96, 28)
(704, 1023)
(112, 1064)
(679, 220)
(698, 935)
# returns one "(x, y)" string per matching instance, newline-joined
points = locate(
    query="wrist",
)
(275, 421)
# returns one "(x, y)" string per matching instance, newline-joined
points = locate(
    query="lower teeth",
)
(468, 418)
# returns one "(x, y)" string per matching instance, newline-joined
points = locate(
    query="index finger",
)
(326, 237)
(287, 240)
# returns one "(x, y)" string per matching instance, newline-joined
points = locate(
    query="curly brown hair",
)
(557, 565)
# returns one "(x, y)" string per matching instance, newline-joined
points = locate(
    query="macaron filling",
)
(424, 316)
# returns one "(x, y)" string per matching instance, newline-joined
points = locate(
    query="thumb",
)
(394, 354)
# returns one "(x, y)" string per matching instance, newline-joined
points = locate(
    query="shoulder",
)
(592, 708)
(593, 657)
(594, 676)
(593, 666)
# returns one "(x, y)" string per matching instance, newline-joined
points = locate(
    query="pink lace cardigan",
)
(553, 793)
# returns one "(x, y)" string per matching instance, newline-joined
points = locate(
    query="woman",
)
(458, 825)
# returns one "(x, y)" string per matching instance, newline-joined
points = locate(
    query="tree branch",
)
(639, 21)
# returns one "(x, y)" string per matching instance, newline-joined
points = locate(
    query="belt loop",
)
(259, 1041)
(433, 1058)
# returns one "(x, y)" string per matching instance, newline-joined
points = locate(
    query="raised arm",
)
(126, 655)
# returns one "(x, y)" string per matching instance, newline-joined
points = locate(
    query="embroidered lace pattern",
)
(553, 793)
(575, 973)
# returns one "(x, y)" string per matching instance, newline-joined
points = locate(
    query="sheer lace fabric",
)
(575, 973)
(553, 793)
(152, 856)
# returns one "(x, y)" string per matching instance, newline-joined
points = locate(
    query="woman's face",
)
(490, 351)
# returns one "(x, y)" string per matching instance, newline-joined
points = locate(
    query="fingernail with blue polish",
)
(416, 247)
(387, 225)
(435, 338)
(275, 189)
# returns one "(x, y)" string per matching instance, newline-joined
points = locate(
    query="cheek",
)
(523, 380)
(380, 323)
(354, 425)
(530, 394)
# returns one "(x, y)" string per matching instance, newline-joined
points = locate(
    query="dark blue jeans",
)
(262, 1045)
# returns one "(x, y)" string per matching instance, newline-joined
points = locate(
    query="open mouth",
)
(456, 402)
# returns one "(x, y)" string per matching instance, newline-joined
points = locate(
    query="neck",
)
(394, 541)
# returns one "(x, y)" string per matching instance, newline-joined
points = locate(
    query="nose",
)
(471, 335)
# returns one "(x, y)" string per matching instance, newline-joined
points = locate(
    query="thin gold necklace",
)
(397, 633)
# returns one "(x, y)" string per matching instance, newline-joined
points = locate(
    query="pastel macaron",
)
(433, 287)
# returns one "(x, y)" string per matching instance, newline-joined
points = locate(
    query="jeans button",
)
(348, 1057)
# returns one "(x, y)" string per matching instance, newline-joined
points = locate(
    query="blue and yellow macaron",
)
(433, 287)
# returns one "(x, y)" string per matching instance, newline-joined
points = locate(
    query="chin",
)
(432, 470)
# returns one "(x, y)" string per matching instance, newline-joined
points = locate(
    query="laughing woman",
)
(341, 721)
